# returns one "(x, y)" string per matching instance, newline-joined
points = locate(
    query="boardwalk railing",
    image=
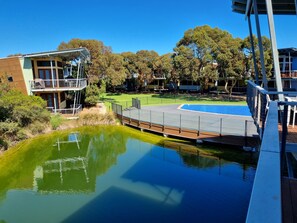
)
(265, 201)
(258, 100)
(191, 126)
(269, 114)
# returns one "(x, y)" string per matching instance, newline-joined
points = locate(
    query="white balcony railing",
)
(66, 111)
(289, 74)
(58, 84)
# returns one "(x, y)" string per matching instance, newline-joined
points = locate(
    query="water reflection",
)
(104, 174)
(75, 162)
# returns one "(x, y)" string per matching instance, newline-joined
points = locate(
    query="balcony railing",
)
(159, 76)
(289, 74)
(66, 111)
(272, 118)
(57, 84)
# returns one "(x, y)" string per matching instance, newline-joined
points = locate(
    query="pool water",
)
(219, 109)
(111, 176)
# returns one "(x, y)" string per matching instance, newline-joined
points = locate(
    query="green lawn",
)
(156, 99)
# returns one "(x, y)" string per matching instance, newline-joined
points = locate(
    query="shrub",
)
(93, 117)
(17, 107)
(3, 144)
(92, 95)
(56, 121)
(9, 129)
(37, 127)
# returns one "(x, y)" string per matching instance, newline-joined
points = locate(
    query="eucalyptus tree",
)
(208, 54)
(194, 53)
(185, 64)
(268, 61)
(111, 69)
(145, 65)
(140, 67)
(96, 48)
(163, 66)
(129, 59)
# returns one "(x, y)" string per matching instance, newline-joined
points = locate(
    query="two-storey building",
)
(56, 76)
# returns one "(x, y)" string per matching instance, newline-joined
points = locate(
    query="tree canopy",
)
(204, 54)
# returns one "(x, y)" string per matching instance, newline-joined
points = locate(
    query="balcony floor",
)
(289, 200)
(56, 89)
(292, 133)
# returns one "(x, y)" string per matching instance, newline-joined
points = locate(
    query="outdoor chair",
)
(293, 108)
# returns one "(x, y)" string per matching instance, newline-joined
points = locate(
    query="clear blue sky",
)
(125, 25)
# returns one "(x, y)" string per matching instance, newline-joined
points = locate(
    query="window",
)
(45, 63)
(10, 79)
(59, 64)
(60, 74)
(62, 96)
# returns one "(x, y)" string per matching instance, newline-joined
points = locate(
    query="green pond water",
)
(115, 174)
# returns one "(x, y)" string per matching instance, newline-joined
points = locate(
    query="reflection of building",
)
(53, 75)
(67, 170)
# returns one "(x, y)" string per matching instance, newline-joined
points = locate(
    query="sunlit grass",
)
(156, 99)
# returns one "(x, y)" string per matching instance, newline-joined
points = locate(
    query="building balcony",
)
(159, 77)
(55, 85)
(74, 110)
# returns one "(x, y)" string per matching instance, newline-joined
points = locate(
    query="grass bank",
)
(164, 99)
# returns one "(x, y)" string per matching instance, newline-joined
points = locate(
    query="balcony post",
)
(260, 44)
(52, 73)
(274, 49)
(253, 50)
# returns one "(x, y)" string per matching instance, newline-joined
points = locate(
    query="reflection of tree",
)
(99, 147)
(201, 161)
(217, 152)
(18, 165)
(109, 144)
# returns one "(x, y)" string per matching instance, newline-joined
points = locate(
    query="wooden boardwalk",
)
(289, 186)
(292, 134)
(238, 141)
(289, 200)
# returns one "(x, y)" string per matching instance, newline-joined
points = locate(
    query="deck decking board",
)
(289, 200)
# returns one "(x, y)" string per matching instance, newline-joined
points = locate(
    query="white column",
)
(264, 79)
(278, 79)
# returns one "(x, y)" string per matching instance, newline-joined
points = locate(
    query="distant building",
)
(288, 67)
(53, 75)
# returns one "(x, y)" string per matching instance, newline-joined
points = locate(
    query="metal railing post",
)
(259, 108)
(138, 117)
(180, 123)
(284, 137)
(198, 125)
(129, 116)
(163, 121)
(221, 126)
(245, 128)
(150, 118)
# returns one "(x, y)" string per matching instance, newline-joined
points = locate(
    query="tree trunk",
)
(231, 87)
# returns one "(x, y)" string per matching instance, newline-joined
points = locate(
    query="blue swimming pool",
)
(219, 109)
